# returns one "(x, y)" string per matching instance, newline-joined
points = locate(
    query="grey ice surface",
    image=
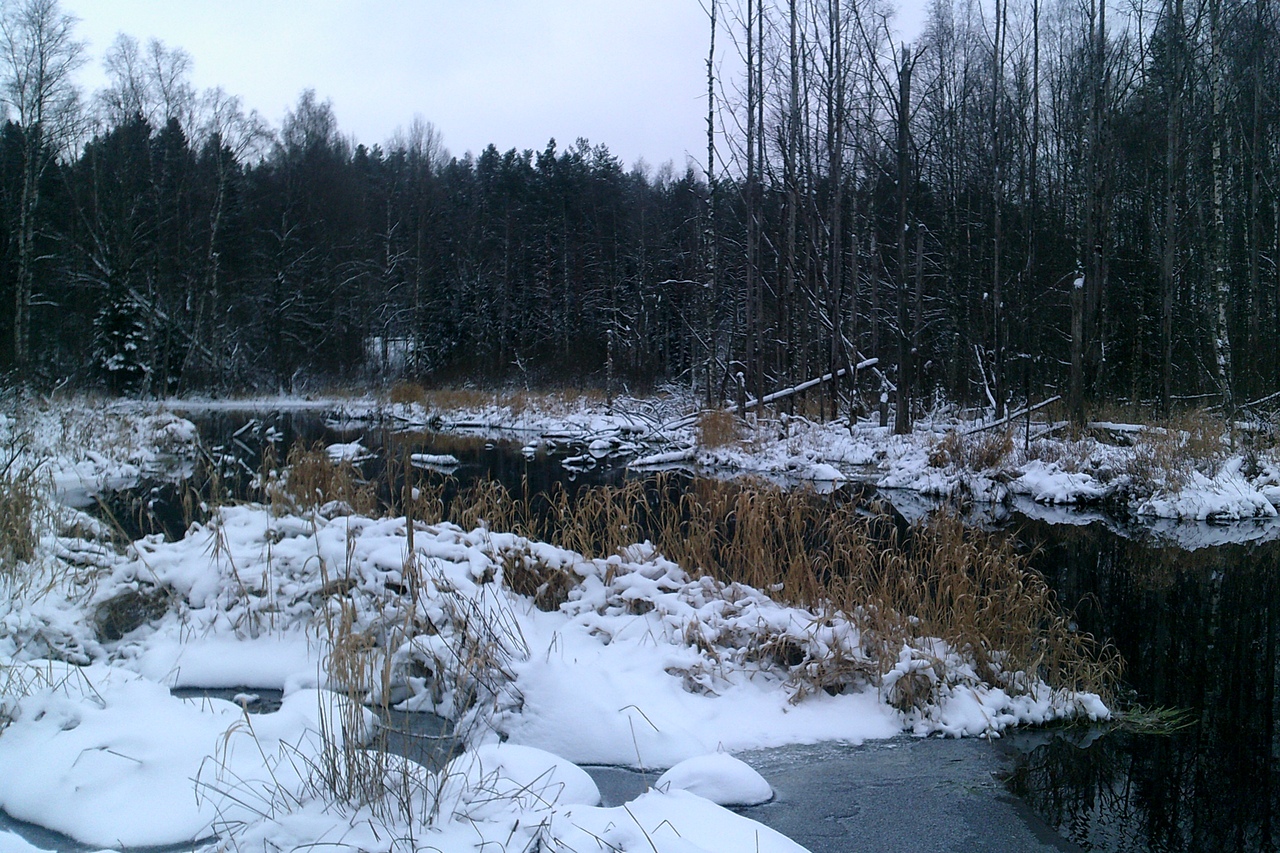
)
(905, 794)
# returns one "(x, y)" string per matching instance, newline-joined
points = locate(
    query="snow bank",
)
(350, 451)
(492, 781)
(12, 843)
(113, 759)
(1046, 482)
(1227, 496)
(642, 665)
(672, 822)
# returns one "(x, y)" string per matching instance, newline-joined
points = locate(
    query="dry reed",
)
(718, 427)
(312, 478)
(978, 452)
(407, 392)
(939, 579)
(19, 507)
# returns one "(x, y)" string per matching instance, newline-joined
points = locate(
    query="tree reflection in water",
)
(1198, 631)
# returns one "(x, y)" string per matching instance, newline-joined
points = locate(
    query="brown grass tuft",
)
(408, 393)
(528, 575)
(312, 479)
(718, 427)
(460, 398)
(19, 506)
(979, 452)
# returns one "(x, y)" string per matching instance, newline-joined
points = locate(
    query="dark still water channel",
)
(1198, 629)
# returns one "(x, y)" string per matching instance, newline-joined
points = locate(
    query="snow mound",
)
(12, 843)
(490, 781)
(718, 777)
(434, 460)
(1227, 496)
(1047, 483)
(351, 451)
(112, 759)
(656, 822)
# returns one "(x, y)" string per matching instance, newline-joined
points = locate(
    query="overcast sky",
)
(628, 73)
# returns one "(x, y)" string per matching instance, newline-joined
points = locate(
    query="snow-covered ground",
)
(640, 664)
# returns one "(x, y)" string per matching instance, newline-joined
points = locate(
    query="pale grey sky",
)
(628, 73)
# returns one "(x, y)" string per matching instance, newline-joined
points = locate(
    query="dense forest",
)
(1034, 197)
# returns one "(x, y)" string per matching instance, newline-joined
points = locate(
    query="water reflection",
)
(240, 447)
(1198, 630)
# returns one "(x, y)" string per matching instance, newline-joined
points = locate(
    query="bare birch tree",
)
(38, 57)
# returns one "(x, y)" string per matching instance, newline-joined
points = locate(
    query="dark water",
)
(1198, 630)
(239, 448)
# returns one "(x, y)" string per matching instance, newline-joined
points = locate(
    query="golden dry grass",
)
(717, 428)
(19, 506)
(940, 579)
(312, 478)
(407, 392)
(982, 451)
(1166, 455)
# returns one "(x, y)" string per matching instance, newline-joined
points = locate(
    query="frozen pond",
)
(1197, 628)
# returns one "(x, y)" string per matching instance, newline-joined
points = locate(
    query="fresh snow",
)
(642, 666)
(117, 760)
(718, 777)
(656, 822)
(13, 843)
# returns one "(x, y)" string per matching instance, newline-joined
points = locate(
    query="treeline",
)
(159, 240)
(1035, 197)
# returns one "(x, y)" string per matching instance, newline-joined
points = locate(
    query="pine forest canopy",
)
(1034, 197)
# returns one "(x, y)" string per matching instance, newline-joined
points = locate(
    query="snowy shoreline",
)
(640, 664)
(1132, 470)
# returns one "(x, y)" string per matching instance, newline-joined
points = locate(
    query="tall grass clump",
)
(408, 393)
(460, 642)
(975, 590)
(717, 428)
(20, 505)
(311, 479)
(1165, 457)
(978, 452)
(902, 586)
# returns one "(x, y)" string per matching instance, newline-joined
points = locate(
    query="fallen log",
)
(1012, 417)
(801, 388)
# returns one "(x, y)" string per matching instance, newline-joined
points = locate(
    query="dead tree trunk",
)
(902, 414)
